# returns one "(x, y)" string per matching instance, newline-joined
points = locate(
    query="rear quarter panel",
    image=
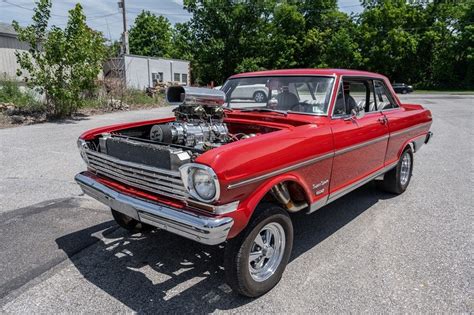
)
(406, 124)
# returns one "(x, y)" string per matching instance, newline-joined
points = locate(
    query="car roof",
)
(310, 71)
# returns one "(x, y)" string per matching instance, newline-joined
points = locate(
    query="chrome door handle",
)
(383, 120)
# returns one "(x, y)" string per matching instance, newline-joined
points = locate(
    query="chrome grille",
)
(160, 181)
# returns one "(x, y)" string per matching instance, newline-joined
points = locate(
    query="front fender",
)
(247, 207)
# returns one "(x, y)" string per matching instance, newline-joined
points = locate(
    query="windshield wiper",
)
(265, 110)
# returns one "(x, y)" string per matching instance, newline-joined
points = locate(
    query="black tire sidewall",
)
(239, 249)
(128, 223)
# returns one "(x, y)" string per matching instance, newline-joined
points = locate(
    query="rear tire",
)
(256, 259)
(397, 180)
(129, 223)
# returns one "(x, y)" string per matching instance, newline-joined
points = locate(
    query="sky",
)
(105, 16)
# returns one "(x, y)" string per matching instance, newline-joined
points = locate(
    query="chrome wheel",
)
(267, 251)
(405, 169)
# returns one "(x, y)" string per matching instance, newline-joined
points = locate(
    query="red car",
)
(231, 170)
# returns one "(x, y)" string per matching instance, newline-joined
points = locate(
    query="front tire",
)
(397, 180)
(256, 259)
(129, 223)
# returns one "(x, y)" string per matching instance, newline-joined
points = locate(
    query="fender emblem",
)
(320, 184)
(319, 192)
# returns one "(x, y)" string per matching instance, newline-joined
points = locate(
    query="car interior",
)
(359, 93)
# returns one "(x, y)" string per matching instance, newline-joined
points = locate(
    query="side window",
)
(384, 101)
(359, 93)
(355, 93)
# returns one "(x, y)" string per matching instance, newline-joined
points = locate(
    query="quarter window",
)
(384, 101)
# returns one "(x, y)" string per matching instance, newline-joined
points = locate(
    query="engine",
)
(199, 119)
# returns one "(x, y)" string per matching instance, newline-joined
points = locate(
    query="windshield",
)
(300, 94)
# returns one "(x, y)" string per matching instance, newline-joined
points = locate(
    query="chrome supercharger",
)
(199, 118)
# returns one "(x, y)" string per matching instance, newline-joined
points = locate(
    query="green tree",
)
(225, 34)
(333, 42)
(62, 64)
(430, 45)
(151, 35)
(113, 49)
(447, 44)
(287, 36)
(389, 35)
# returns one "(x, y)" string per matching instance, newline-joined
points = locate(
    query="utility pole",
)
(125, 46)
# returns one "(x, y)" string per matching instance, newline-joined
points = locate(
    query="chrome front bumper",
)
(205, 230)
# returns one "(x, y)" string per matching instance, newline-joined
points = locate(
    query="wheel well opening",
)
(289, 194)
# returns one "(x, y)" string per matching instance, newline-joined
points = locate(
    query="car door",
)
(360, 143)
(397, 119)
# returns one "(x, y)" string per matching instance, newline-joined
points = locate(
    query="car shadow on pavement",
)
(161, 272)
(71, 121)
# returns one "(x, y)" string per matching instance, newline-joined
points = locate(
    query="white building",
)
(140, 72)
(9, 43)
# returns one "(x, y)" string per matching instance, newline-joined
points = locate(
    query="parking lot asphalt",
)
(368, 251)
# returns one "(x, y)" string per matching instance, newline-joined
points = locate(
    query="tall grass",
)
(10, 92)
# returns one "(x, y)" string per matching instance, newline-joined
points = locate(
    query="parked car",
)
(218, 174)
(402, 88)
(255, 92)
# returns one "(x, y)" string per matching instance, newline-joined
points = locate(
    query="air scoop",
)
(193, 96)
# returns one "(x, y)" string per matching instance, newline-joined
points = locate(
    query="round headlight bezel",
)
(188, 172)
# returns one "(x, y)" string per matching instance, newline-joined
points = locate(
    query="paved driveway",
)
(368, 251)
(38, 162)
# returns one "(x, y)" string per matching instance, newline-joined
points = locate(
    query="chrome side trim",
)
(318, 204)
(400, 132)
(202, 229)
(323, 157)
(345, 190)
(281, 171)
(361, 145)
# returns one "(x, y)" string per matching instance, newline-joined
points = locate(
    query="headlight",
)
(200, 181)
(203, 184)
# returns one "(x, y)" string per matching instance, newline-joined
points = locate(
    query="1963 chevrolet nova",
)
(230, 170)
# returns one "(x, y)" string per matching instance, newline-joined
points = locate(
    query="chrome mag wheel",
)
(405, 169)
(267, 251)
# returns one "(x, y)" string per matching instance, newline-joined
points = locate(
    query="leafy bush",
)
(62, 64)
(10, 92)
(138, 97)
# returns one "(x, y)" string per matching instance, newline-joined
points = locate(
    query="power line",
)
(29, 9)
